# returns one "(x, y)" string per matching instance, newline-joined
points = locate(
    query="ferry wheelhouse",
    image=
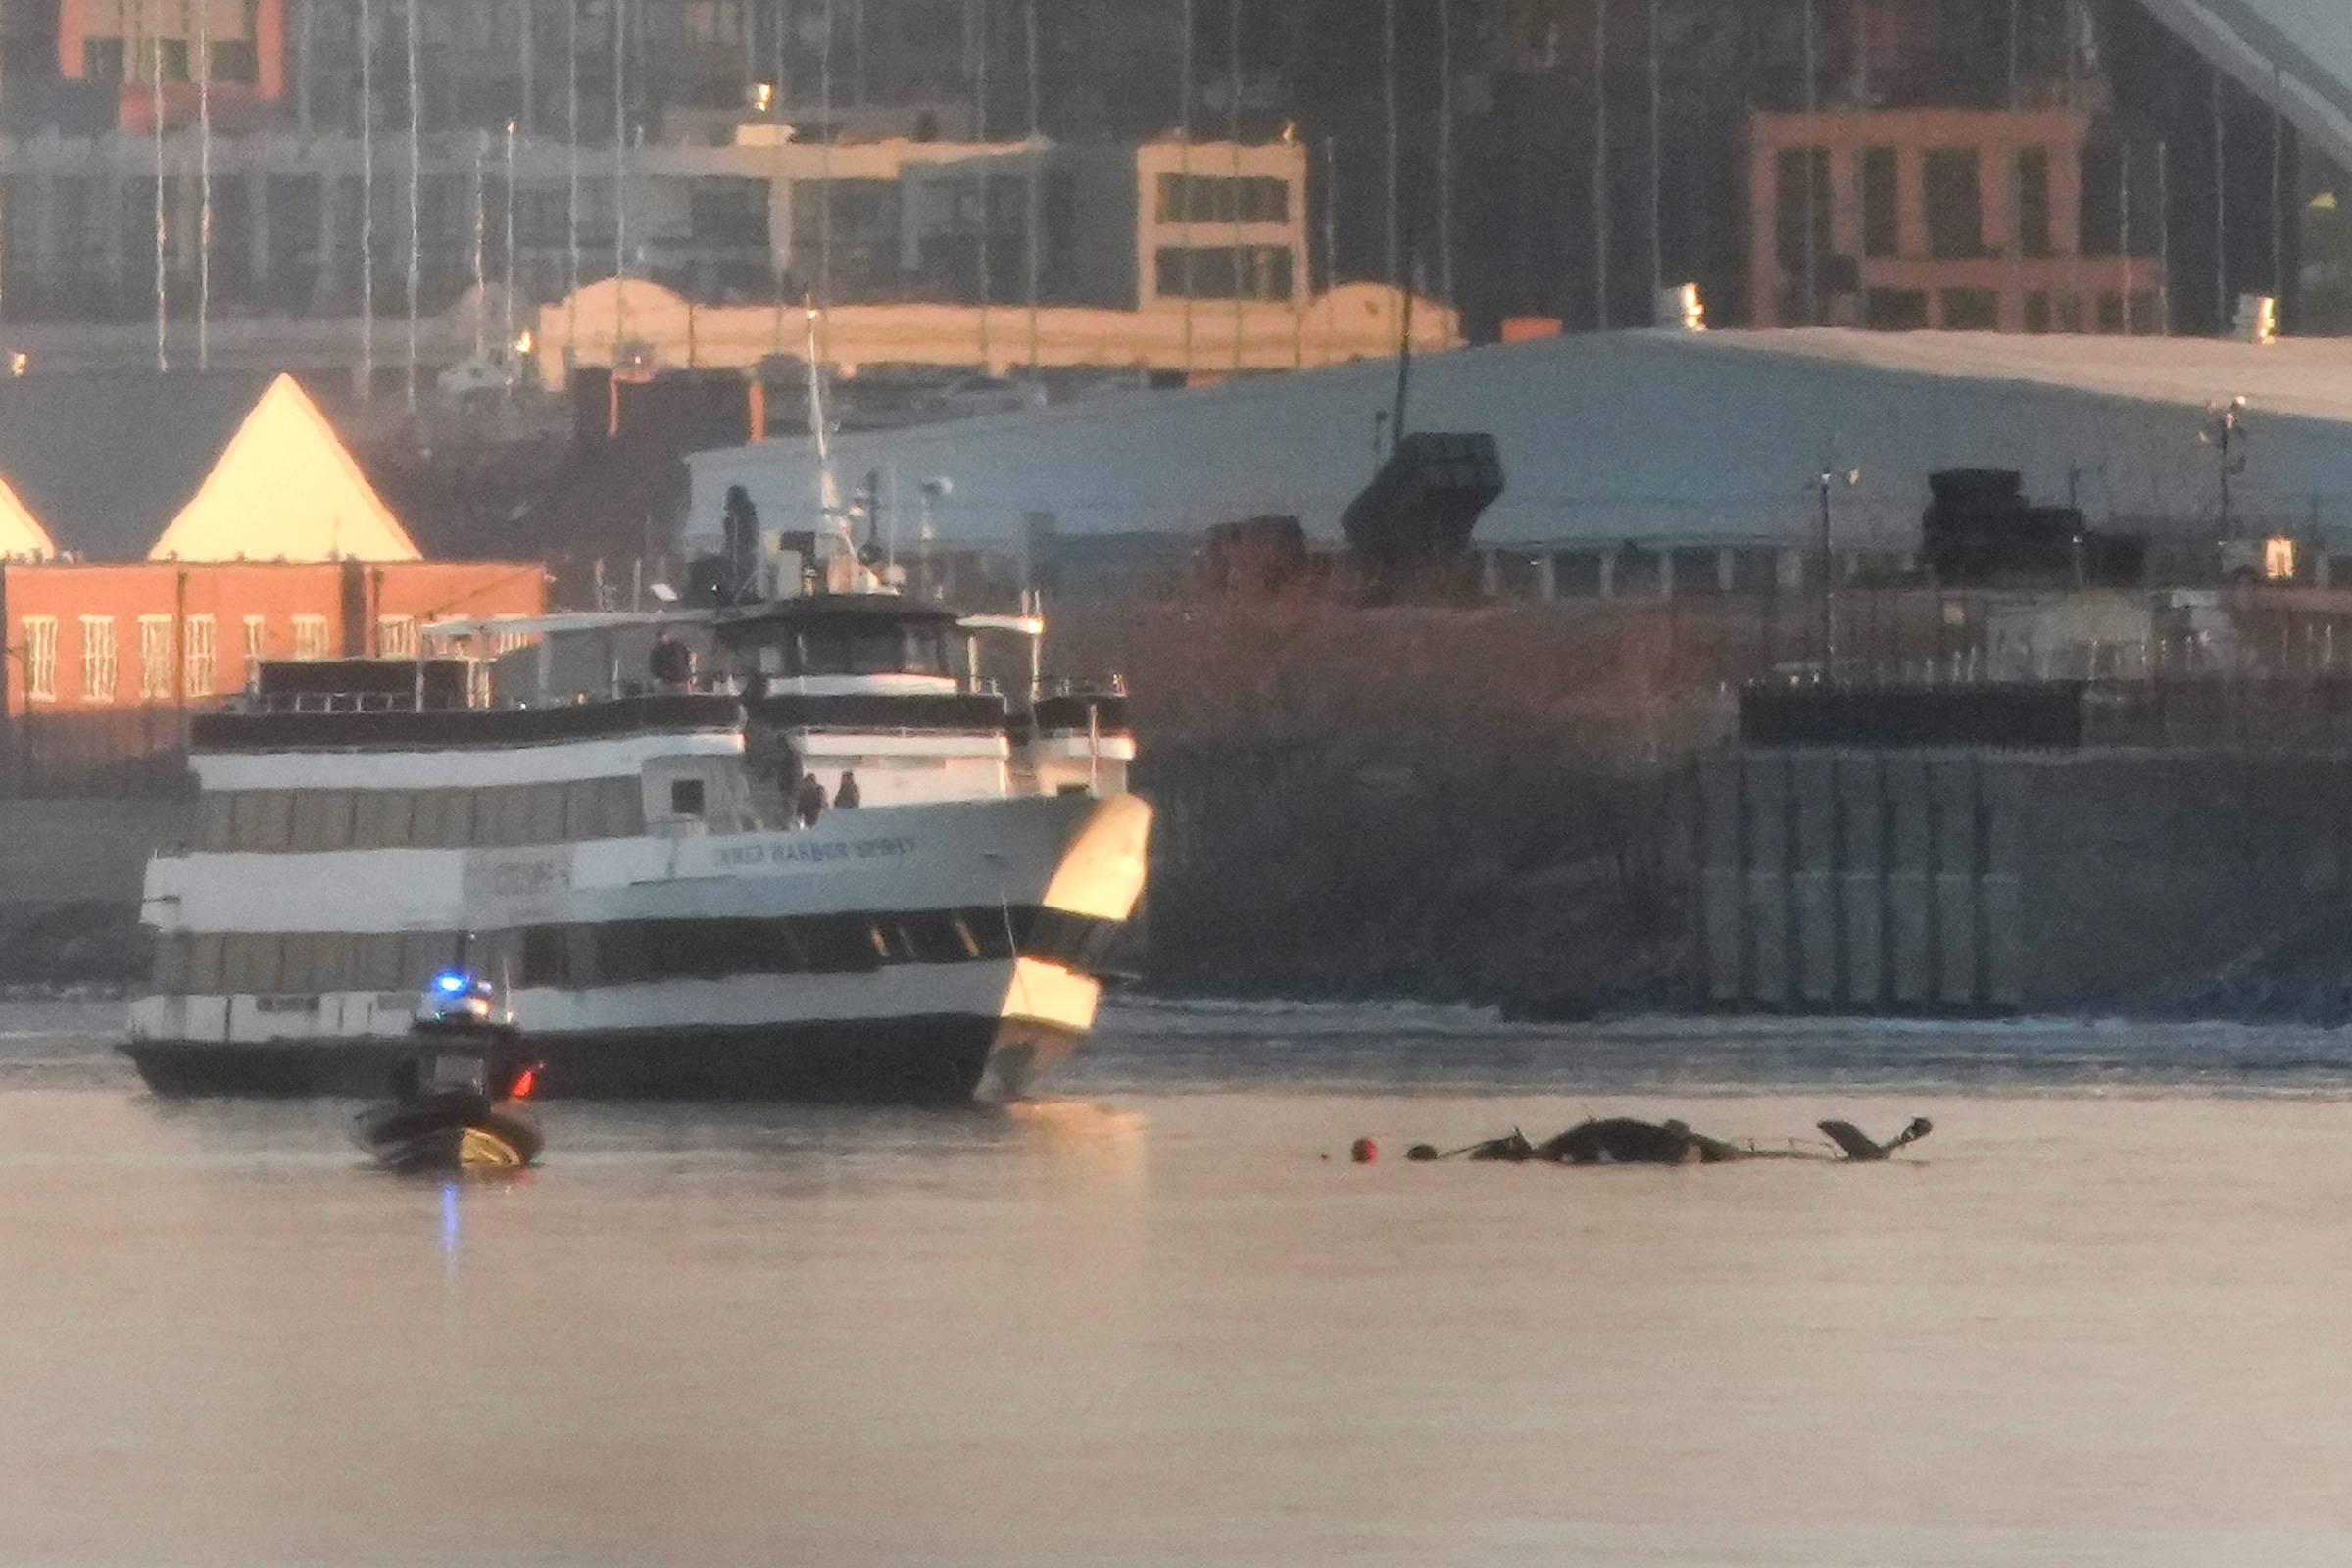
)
(637, 874)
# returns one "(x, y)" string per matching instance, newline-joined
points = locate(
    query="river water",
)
(2102, 1315)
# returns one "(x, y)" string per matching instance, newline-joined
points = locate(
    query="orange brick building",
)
(239, 45)
(160, 535)
(1951, 218)
(96, 635)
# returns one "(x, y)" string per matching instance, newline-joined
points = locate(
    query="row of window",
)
(168, 59)
(621, 952)
(193, 667)
(1224, 199)
(297, 820)
(1952, 203)
(1223, 272)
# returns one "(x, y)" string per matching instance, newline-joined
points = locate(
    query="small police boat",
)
(458, 1097)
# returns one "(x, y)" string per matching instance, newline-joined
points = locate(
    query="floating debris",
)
(1624, 1140)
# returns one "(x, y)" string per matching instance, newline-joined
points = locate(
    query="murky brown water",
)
(1153, 1325)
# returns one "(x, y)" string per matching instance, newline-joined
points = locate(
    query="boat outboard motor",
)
(458, 1097)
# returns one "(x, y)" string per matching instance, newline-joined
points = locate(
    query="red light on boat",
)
(522, 1084)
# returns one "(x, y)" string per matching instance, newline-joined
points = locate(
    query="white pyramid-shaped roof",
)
(285, 488)
(20, 532)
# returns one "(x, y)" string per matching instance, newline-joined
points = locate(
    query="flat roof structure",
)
(1642, 435)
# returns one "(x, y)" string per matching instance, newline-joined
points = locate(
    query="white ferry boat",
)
(632, 874)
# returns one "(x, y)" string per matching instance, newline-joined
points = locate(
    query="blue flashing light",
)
(451, 983)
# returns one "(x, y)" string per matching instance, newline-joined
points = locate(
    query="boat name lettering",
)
(801, 852)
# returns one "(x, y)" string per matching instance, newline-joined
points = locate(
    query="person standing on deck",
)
(849, 794)
(808, 800)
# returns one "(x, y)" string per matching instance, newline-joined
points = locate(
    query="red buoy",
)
(1363, 1151)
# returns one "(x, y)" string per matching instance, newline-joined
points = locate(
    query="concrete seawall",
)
(69, 880)
(1980, 881)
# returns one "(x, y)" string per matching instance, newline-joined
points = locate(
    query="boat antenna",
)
(833, 523)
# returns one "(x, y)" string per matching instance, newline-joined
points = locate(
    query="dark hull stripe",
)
(924, 1060)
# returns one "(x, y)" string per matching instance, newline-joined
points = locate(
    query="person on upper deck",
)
(808, 800)
(672, 664)
(849, 794)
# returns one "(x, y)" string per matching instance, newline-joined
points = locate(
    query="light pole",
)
(1828, 478)
(2225, 430)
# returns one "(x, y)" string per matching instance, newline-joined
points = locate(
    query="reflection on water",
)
(1163, 1319)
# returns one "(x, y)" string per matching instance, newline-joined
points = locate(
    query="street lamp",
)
(1828, 479)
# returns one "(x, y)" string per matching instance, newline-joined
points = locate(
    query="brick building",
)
(171, 51)
(1961, 220)
(92, 635)
(162, 534)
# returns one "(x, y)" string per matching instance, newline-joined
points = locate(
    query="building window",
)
(310, 636)
(198, 665)
(102, 58)
(1882, 196)
(97, 659)
(256, 635)
(1224, 199)
(40, 657)
(2037, 312)
(155, 658)
(1971, 310)
(171, 59)
(1955, 202)
(1224, 273)
(1801, 233)
(396, 636)
(1895, 310)
(728, 211)
(2033, 201)
(236, 60)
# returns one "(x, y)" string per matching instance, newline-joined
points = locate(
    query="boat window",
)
(926, 651)
(838, 944)
(322, 819)
(503, 815)
(367, 819)
(620, 953)
(549, 813)
(203, 976)
(397, 821)
(219, 822)
(376, 962)
(685, 797)
(171, 964)
(583, 814)
(424, 954)
(932, 936)
(298, 961)
(263, 819)
(330, 961)
(625, 809)
(887, 650)
(985, 926)
(251, 961)
(545, 956)
(459, 808)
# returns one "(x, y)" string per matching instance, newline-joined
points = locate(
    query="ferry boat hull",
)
(942, 1059)
(1025, 893)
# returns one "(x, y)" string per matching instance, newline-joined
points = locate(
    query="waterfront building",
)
(164, 534)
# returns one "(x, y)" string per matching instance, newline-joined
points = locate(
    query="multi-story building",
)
(168, 56)
(1963, 220)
